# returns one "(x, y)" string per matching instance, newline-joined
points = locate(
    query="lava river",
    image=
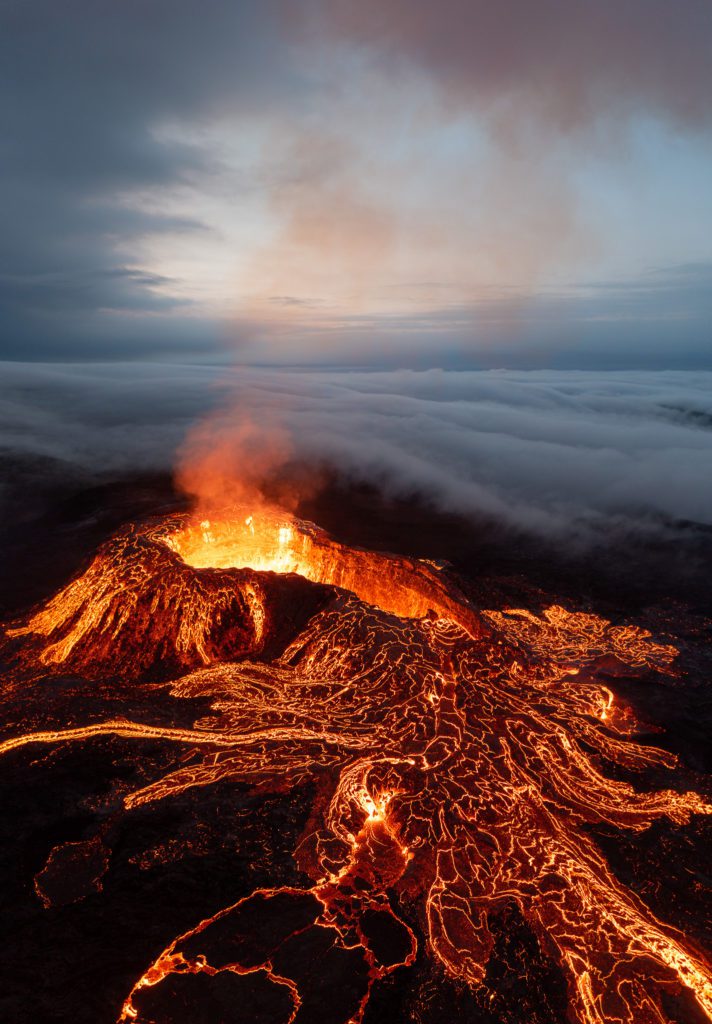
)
(463, 759)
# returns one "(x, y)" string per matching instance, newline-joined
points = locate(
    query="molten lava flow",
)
(469, 755)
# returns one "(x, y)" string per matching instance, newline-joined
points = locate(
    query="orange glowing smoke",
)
(469, 754)
(230, 460)
(225, 463)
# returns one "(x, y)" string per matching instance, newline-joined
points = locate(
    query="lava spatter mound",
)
(178, 594)
(464, 761)
(139, 607)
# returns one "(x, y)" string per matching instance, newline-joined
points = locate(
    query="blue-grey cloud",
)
(84, 88)
(563, 65)
(660, 319)
(87, 88)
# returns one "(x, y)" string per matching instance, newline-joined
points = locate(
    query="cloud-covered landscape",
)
(567, 455)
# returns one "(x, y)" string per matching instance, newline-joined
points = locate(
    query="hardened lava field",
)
(452, 763)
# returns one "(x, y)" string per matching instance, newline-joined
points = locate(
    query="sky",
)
(381, 183)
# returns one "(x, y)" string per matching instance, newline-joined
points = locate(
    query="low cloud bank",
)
(559, 455)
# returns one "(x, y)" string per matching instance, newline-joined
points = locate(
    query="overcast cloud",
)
(462, 183)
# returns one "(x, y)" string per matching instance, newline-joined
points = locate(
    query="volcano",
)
(398, 768)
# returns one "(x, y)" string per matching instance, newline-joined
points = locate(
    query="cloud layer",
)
(567, 455)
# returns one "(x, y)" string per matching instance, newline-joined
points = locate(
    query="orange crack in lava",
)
(469, 753)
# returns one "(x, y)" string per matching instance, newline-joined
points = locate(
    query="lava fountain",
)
(467, 756)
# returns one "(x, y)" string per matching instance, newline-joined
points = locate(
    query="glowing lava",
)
(468, 755)
(269, 541)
